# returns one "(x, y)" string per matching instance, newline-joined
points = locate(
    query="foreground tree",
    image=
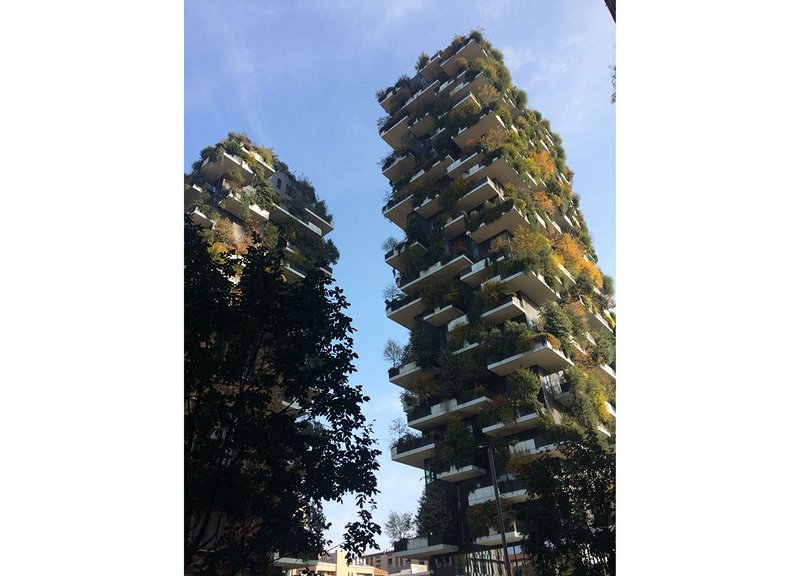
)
(571, 521)
(271, 426)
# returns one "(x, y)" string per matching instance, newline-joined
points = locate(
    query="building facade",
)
(511, 334)
(237, 186)
(387, 560)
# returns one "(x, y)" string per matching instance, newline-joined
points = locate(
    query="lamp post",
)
(500, 523)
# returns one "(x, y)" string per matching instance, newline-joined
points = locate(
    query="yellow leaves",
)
(556, 259)
(543, 162)
(494, 139)
(543, 200)
(526, 241)
(487, 94)
(498, 245)
(572, 253)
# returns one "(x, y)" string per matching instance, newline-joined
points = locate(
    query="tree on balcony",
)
(399, 526)
(457, 448)
(256, 353)
(435, 513)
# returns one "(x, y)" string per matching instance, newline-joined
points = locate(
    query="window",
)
(289, 190)
(279, 183)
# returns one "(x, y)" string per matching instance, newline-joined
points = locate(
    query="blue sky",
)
(300, 77)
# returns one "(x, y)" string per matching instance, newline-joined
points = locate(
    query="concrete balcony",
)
(423, 126)
(609, 370)
(397, 211)
(456, 225)
(409, 374)
(535, 448)
(429, 207)
(470, 51)
(193, 193)
(494, 538)
(197, 217)
(484, 190)
(424, 548)
(463, 105)
(509, 307)
(532, 284)
(441, 315)
(213, 171)
(439, 270)
(500, 171)
(414, 452)
(527, 419)
(395, 134)
(484, 125)
(421, 98)
(461, 474)
(400, 168)
(432, 68)
(234, 204)
(508, 221)
(467, 347)
(465, 86)
(425, 418)
(541, 354)
(405, 313)
(269, 170)
(434, 173)
(395, 257)
(318, 221)
(511, 490)
(463, 165)
(281, 215)
(563, 221)
(481, 271)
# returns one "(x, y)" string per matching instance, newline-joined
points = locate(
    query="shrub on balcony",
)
(457, 448)
(558, 323)
(491, 293)
(513, 338)
(604, 351)
(483, 516)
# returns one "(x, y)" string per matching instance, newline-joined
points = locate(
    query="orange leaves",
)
(572, 252)
(487, 94)
(543, 200)
(543, 163)
(494, 139)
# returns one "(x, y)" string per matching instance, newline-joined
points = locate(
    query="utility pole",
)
(500, 522)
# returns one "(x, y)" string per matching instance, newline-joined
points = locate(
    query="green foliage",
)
(492, 292)
(604, 352)
(570, 527)
(558, 323)
(422, 346)
(513, 338)
(458, 447)
(246, 347)
(435, 513)
(422, 61)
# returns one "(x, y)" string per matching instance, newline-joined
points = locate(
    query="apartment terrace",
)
(484, 124)
(440, 270)
(282, 216)
(463, 165)
(509, 221)
(233, 203)
(481, 271)
(394, 257)
(455, 225)
(541, 354)
(463, 473)
(423, 548)
(511, 491)
(441, 315)
(414, 451)
(499, 170)
(532, 284)
(197, 217)
(427, 417)
(410, 373)
(213, 171)
(405, 311)
(535, 447)
(432, 174)
(471, 51)
(507, 308)
(485, 189)
(324, 225)
(525, 419)
(493, 538)
(398, 209)
(395, 134)
(466, 85)
(400, 168)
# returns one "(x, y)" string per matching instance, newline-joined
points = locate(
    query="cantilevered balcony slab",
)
(484, 125)
(414, 453)
(395, 134)
(509, 307)
(563, 221)
(481, 271)
(400, 168)
(422, 126)
(511, 491)
(597, 322)
(484, 190)
(531, 284)
(192, 194)
(467, 346)
(405, 314)
(287, 563)
(470, 52)
(213, 171)
(535, 449)
(318, 221)
(429, 207)
(424, 548)
(410, 373)
(421, 98)
(509, 221)
(442, 315)
(281, 215)
(197, 217)
(494, 538)
(233, 203)
(463, 165)
(432, 68)
(437, 271)
(542, 354)
(475, 85)
(428, 177)
(426, 418)
(395, 258)
(460, 474)
(527, 421)
(292, 272)
(500, 171)
(399, 210)
(609, 370)
(456, 225)
(466, 101)
(568, 279)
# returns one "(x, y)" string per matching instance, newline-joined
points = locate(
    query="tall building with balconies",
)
(511, 336)
(237, 186)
